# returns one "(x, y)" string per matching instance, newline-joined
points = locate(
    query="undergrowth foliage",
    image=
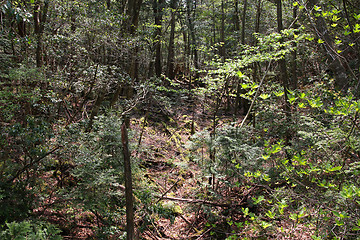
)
(309, 186)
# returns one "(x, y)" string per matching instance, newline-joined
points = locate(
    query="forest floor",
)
(178, 178)
(168, 167)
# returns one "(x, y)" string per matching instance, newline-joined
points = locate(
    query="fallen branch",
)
(217, 204)
(163, 195)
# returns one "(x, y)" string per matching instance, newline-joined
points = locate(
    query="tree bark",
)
(243, 20)
(130, 226)
(294, 81)
(171, 55)
(158, 13)
(236, 15)
(132, 14)
(39, 24)
(222, 32)
(190, 9)
(283, 75)
(258, 15)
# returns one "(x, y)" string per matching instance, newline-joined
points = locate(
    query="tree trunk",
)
(243, 22)
(258, 15)
(294, 81)
(130, 226)
(222, 32)
(157, 8)
(236, 16)
(132, 15)
(170, 61)
(39, 24)
(190, 9)
(283, 75)
(213, 27)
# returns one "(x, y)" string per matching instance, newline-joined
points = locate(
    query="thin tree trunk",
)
(130, 226)
(157, 8)
(213, 23)
(39, 24)
(243, 20)
(170, 61)
(190, 9)
(222, 32)
(294, 81)
(283, 75)
(236, 16)
(258, 15)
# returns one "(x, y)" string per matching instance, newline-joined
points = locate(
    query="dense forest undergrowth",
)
(169, 119)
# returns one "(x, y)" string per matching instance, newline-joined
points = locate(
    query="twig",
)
(203, 234)
(188, 223)
(196, 216)
(163, 195)
(32, 163)
(151, 235)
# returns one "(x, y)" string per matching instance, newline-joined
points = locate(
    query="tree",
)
(283, 73)
(158, 6)
(171, 54)
(243, 22)
(128, 184)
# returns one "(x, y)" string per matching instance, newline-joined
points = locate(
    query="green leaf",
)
(270, 214)
(335, 18)
(245, 211)
(334, 169)
(317, 8)
(291, 99)
(245, 86)
(347, 192)
(302, 105)
(302, 95)
(264, 96)
(264, 224)
(258, 200)
(357, 28)
(338, 42)
(279, 94)
(239, 74)
(293, 216)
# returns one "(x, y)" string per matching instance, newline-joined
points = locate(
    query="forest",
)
(179, 119)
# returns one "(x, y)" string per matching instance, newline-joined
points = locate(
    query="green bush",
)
(28, 230)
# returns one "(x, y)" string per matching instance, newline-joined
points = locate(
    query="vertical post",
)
(128, 185)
